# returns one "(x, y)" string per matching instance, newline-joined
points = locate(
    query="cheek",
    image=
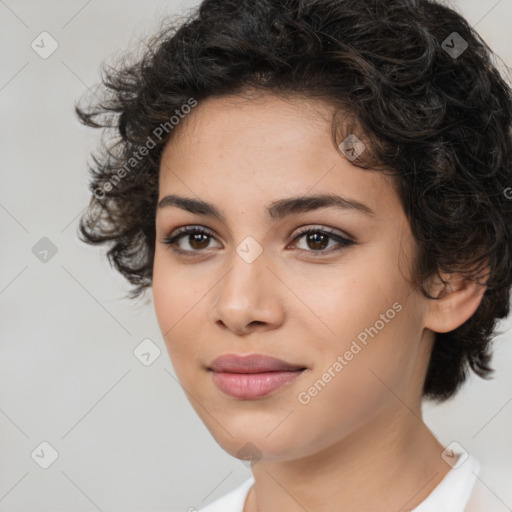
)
(368, 317)
(349, 299)
(175, 303)
(175, 292)
(166, 303)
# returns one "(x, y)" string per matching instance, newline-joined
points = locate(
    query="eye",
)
(318, 239)
(198, 239)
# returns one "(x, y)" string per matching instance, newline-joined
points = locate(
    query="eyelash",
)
(192, 230)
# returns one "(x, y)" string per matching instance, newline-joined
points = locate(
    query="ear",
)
(458, 299)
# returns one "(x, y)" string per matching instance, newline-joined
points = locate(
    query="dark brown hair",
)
(424, 94)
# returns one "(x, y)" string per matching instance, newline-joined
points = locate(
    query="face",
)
(322, 287)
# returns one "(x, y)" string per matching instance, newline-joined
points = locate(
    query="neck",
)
(392, 463)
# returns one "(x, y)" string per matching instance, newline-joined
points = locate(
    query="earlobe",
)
(457, 301)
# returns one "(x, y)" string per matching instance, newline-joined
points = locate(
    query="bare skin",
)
(359, 443)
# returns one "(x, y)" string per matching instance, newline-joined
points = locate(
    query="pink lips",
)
(252, 376)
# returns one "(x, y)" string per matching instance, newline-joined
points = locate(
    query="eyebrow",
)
(276, 210)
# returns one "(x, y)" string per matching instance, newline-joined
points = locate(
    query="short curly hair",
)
(418, 85)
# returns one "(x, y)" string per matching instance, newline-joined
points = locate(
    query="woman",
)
(315, 191)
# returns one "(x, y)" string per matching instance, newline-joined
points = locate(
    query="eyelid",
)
(324, 229)
(301, 230)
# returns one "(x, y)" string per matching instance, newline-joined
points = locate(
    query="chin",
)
(247, 442)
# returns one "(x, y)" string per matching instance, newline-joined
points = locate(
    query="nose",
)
(247, 297)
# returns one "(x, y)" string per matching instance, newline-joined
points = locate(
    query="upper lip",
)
(252, 363)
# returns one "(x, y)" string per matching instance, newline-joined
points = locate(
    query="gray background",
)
(126, 436)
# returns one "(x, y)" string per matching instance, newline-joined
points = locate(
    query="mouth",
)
(253, 376)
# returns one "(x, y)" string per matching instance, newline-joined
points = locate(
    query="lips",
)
(252, 376)
(253, 363)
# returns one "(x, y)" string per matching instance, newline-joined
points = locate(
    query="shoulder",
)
(487, 492)
(231, 502)
(467, 487)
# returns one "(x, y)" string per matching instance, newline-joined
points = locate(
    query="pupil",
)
(314, 239)
(196, 239)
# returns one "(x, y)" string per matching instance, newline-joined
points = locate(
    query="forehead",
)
(258, 121)
(233, 148)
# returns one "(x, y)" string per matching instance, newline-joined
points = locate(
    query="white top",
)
(457, 492)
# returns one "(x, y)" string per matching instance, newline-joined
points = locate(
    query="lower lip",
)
(252, 385)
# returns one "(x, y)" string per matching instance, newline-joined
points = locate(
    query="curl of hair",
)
(440, 125)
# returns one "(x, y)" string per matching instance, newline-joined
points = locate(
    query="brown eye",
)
(317, 240)
(197, 238)
(197, 241)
